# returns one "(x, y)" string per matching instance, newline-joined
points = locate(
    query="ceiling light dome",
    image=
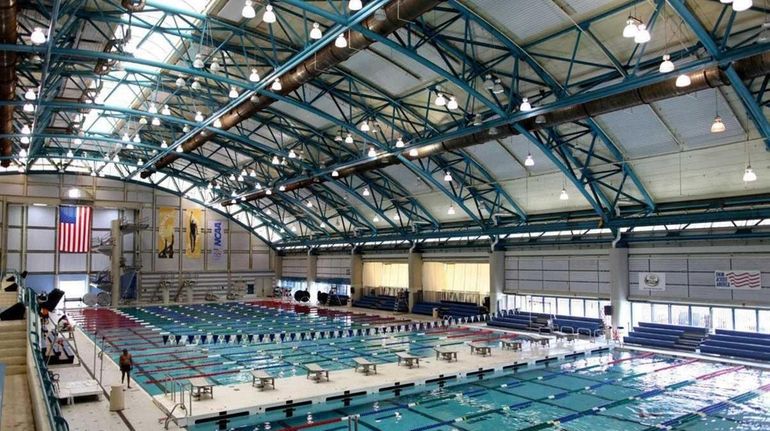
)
(153, 109)
(489, 84)
(218, 123)
(366, 191)
(275, 160)
(269, 15)
(268, 192)
(525, 105)
(666, 65)
(70, 154)
(399, 143)
(198, 62)
(498, 87)
(116, 158)
(413, 152)
(28, 107)
(180, 82)
(643, 35)
(179, 149)
(349, 139)
(24, 140)
(742, 5)
(749, 175)
(529, 161)
(196, 85)
(23, 153)
(335, 174)
(316, 33)
(233, 93)
(338, 137)
(683, 80)
(248, 11)
(254, 76)
(372, 152)
(163, 144)
(364, 126)
(631, 28)
(355, 5)
(276, 86)
(215, 66)
(341, 42)
(718, 126)
(563, 196)
(199, 116)
(155, 121)
(143, 121)
(452, 104)
(186, 128)
(137, 139)
(125, 137)
(25, 130)
(282, 188)
(440, 100)
(165, 110)
(451, 210)
(77, 141)
(448, 177)
(292, 154)
(30, 94)
(38, 36)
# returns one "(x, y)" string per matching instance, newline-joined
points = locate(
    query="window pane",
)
(641, 313)
(577, 307)
(764, 321)
(723, 318)
(603, 304)
(746, 319)
(700, 316)
(562, 306)
(660, 313)
(549, 305)
(592, 308)
(680, 315)
(536, 304)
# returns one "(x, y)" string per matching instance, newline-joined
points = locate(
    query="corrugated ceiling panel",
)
(383, 73)
(407, 179)
(638, 132)
(525, 19)
(497, 161)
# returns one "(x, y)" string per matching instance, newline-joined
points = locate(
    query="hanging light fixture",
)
(292, 154)
(186, 128)
(269, 15)
(448, 177)
(338, 137)
(349, 139)
(125, 137)
(28, 107)
(232, 178)
(440, 100)
(30, 94)
(137, 139)
(130, 146)
(143, 121)
(116, 158)
(180, 83)
(316, 33)
(489, 84)
(742, 5)
(153, 109)
(70, 154)
(717, 126)
(376, 219)
(179, 149)
(525, 105)
(749, 176)
(233, 93)
(666, 65)
(163, 144)
(366, 191)
(165, 110)
(268, 192)
(529, 161)
(399, 143)
(218, 123)
(477, 120)
(683, 80)
(198, 61)
(275, 160)
(215, 66)
(276, 86)
(643, 35)
(23, 153)
(355, 5)
(199, 116)
(248, 11)
(413, 152)
(335, 174)
(631, 28)
(254, 76)
(372, 152)
(25, 130)
(155, 121)
(253, 174)
(364, 126)
(24, 140)
(38, 36)
(341, 42)
(139, 162)
(282, 188)
(498, 87)
(563, 196)
(451, 210)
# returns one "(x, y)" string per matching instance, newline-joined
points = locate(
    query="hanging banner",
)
(166, 225)
(193, 246)
(736, 279)
(652, 281)
(218, 241)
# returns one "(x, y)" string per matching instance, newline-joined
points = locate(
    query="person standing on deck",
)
(126, 362)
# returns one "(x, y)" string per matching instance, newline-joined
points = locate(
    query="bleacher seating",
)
(380, 302)
(539, 322)
(748, 345)
(58, 349)
(677, 337)
(448, 309)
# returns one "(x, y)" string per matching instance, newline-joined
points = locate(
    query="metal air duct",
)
(8, 35)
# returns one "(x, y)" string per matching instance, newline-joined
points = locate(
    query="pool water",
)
(157, 363)
(618, 391)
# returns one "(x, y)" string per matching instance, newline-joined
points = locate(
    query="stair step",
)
(6, 342)
(14, 360)
(13, 370)
(12, 351)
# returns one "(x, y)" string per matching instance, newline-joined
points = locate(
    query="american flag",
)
(74, 229)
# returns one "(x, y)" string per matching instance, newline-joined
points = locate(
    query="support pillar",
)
(117, 252)
(619, 288)
(415, 277)
(277, 270)
(496, 279)
(356, 276)
(312, 270)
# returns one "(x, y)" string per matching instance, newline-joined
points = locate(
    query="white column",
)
(117, 252)
(496, 279)
(356, 275)
(619, 288)
(415, 277)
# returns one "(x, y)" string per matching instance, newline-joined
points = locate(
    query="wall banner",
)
(218, 240)
(194, 239)
(166, 225)
(652, 281)
(738, 279)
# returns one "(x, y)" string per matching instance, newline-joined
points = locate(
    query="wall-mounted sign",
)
(738, 279)
(652, 281)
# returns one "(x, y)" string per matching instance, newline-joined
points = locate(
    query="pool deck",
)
(238, 398)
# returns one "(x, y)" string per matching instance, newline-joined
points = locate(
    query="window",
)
(641, 312)
(764, 321)
(680, 314)
(700, 316)
(592, 308)
(578, 307)
(536, 304)
(549, 305)
(723, 318)
(746, 319)
(660, 313)
(562, 306)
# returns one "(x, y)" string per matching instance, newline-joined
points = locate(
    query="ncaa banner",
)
(652, 281)
(218, 241)
(737, 279)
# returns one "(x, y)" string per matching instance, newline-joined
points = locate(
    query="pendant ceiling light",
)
(372, 152)
(28, 107)
(683, 80)
(180, 83)
(452, 103)
(643, 35)
(413, 152)
(448, 177)
(233, 93)
(30, 94)
(153, 109)
(349, 139)
(742, 5)
(163, 144)
(316, 32)
(355, 5)
(198, 61)
(155, 121)
(563, 196)
(440, 100)
(451, 210)
(248, 11)
(165, 110)
(529, 161)
(38, 36)
(276, 85)
(525, 105)
(254, 76)
(666, 65)
(199, 116)
(366, 191)
(335, 174)
(269, 16)
(341, 42)
(399, 143)
(218, 123)
(749, 175)
(215, 67)
(631, 28)
(364, 126)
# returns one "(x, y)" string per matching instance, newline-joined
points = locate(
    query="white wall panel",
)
(41, 216)
(40, 262)
(41, 239)
(72, 262)
(14, 238)
(586, 275)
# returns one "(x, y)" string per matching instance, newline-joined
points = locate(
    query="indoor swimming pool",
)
(617, 391)
(229, 358)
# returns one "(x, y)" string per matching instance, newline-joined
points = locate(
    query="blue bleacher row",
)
(449, 309)
(539, 322)
(747, 345)
(380, 302)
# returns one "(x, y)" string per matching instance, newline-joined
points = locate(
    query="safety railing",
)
(34, 330)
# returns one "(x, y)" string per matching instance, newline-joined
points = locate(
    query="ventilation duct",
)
(748, 68)
(8, 36)
(397, 14)
(133, 5)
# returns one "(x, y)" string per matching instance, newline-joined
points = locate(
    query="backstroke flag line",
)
(74, 229)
